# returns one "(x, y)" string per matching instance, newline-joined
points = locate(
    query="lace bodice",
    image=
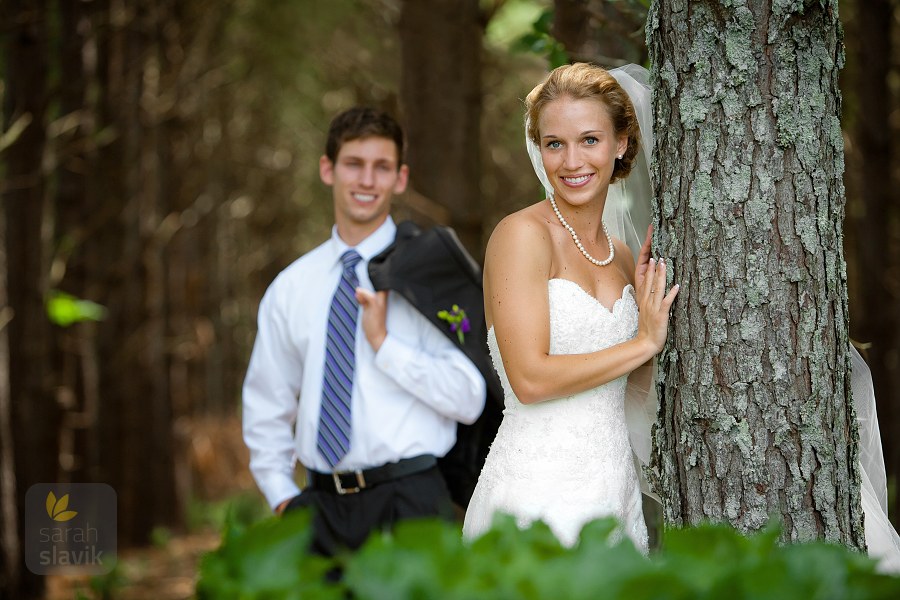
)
(569, 460)
(595, 328)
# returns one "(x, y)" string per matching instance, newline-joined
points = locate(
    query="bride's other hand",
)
(654, 304)
(643, 262)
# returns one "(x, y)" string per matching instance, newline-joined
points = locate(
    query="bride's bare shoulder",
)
(528, 225)
(520, 240)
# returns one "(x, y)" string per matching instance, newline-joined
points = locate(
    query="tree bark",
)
(755, 408)
(34, 411)
(10, 546)
(441, 97)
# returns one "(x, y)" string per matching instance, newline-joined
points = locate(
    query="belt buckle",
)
(341, 490)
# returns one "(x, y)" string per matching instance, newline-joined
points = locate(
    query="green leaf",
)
(540, 41)
(65, 309)
(526, 42)
(428, 558)
(558, 56)
(269, 559)
(544, 22)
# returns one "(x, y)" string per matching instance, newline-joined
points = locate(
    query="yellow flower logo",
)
(57, 508)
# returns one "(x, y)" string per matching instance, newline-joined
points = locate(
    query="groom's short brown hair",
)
(362, 122)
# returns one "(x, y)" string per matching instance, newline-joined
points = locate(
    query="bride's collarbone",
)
(605, 284)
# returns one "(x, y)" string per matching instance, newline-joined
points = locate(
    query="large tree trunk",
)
(10, 546)
(441, 97)
(77, 215)
(756, 414)
(34, 410)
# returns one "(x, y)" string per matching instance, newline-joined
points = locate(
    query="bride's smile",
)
(577, 181)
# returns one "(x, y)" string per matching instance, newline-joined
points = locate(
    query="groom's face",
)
(364, 178)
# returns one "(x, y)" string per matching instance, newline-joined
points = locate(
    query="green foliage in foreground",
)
(428, 559)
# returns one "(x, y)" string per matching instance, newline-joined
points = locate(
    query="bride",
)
(569, 318)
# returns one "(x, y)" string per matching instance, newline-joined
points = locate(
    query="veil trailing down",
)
(881, 537)
(628, 213)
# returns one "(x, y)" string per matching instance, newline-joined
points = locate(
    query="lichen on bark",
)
(755, 414)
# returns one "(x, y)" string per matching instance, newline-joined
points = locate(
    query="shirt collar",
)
(379, 239)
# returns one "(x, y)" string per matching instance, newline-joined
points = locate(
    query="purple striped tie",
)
(337, 382)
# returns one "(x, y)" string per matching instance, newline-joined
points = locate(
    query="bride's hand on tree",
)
(654, 304)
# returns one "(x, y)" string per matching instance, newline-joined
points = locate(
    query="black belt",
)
(351, 482)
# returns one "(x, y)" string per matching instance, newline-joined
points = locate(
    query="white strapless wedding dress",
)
(566, 461)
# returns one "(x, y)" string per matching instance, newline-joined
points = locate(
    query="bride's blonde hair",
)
(582, 81)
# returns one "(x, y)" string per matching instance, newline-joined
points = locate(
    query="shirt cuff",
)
(394, 358)
(277, 488)
(393, 355)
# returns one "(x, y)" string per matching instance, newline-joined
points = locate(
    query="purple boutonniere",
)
(458, 321)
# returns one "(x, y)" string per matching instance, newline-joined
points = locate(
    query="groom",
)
(357, 385)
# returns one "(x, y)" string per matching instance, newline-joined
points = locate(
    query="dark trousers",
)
(345, 521)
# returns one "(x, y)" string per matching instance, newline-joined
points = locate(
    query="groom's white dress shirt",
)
(406, 398)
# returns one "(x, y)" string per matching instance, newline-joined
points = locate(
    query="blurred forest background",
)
(158, 167)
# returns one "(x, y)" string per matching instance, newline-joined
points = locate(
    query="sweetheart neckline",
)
(592, 297)
(586, 293)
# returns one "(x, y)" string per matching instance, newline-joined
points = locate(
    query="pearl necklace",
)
(579, 245)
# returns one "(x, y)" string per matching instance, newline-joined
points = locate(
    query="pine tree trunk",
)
(76, 219)
(755, 408)
(441, 98)
(10, 543)
(34, 412)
